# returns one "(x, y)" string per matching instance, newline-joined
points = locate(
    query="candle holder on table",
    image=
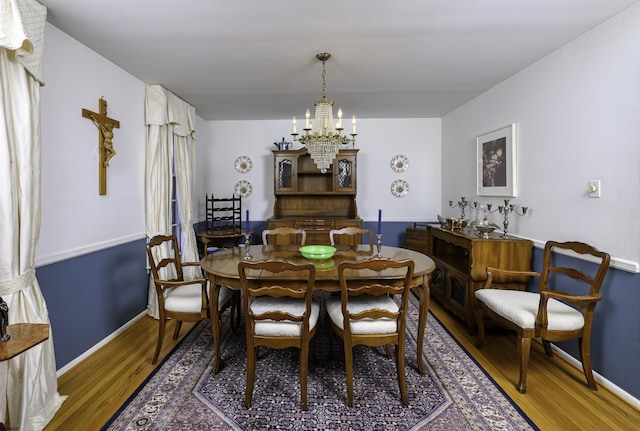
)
(462, 203)
(505, 210)
(247, 245)
(379, 244)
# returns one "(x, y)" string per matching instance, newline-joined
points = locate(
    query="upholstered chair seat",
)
(358, 304)
(521, 308)
(284, 328)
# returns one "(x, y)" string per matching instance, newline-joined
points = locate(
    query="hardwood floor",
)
(557, 397)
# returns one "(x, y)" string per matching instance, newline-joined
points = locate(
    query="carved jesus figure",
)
(107, 140)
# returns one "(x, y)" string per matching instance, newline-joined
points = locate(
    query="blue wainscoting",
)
(91, 296)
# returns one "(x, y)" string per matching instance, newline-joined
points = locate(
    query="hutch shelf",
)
(306, 198)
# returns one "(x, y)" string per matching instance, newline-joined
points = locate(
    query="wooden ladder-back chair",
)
(549, 314)
(366, 313)
(178, 299)
(351, 233)
(279, 313)
(296, 236)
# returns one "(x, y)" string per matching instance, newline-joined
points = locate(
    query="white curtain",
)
(28, 386)
(169, 119)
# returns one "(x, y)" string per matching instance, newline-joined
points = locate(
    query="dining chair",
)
(367, 314)
(184, 300)
(278, 313)
(350, 235)
(296, 236)
(549, 314)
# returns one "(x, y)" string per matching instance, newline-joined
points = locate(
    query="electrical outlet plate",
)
(594, 188)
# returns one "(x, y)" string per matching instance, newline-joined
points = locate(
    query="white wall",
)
(75, 219)
(221, 142)
(578, 118)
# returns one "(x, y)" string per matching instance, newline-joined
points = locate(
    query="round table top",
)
(224, 263)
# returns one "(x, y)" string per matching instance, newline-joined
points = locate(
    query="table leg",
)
(216, 324)
(423, 294)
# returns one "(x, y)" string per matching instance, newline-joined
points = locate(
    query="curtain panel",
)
(28, 385)
(169, 121)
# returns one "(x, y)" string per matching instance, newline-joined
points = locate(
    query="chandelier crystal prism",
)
(323, 138)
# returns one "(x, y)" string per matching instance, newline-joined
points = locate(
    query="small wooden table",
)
(221, 268)
(23, 337)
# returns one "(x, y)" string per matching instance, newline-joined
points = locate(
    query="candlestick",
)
(379, 245)
(505, 211)
(379, 222)
(462, 203)
(247, 245)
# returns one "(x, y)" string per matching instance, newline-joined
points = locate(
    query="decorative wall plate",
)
(243, 164)
(243, 188)
(399, 188)
(399, 163)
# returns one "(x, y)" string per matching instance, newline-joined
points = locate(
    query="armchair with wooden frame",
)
(279, 314)
(184, 300)
(550, 314)
(366, 314)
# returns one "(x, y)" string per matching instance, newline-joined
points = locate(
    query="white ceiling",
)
(255, 59)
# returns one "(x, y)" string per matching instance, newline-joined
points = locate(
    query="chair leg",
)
(585, 358)
(161, 325)
(547, 348)
(176, 331)
(388, 349)
(524, 348)
(236, 306)
(304, 365)
(402, 379)
(348, 364)
(479, 323)
(251, 374)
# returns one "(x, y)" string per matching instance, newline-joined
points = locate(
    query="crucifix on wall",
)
(105, 141)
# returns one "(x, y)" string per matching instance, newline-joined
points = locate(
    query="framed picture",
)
(497, 162)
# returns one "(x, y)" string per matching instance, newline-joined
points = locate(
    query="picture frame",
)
(496, 162)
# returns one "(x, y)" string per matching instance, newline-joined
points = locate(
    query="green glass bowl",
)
(317, 252)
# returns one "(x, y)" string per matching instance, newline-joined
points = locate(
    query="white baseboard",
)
(624, 395)
(95, 348)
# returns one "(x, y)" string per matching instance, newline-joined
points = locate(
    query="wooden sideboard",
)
(306, 198)
(462, 258)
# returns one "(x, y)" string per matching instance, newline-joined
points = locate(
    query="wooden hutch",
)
(306, 198)
(462, 258)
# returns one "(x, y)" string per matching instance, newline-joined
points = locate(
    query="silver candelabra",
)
(505, 210)
(462, 203)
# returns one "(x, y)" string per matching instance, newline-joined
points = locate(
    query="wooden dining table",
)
(221, 268)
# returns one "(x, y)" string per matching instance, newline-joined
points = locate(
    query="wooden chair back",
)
(371, 281)
(292, 281)
(296, 236)
(350, 235)
(167, 270)
(552, 276)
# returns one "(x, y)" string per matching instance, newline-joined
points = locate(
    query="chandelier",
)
(323, 139)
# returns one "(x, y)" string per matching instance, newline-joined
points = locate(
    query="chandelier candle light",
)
(322, 138)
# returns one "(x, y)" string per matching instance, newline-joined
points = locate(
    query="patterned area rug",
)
(456, 394)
